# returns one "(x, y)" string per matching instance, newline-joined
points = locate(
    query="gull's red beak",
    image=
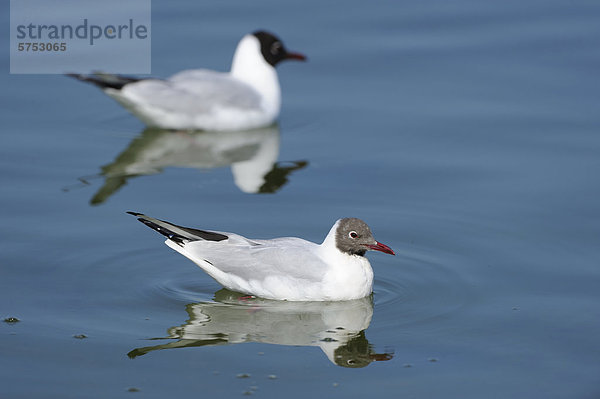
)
(295, 56)
(382, 247)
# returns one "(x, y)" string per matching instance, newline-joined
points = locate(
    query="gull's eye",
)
(275, 48)
(353, 234)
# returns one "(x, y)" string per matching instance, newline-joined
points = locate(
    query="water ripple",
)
(425, 287)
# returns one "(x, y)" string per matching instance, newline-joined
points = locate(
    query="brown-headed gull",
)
(286, 268)
(247, 97)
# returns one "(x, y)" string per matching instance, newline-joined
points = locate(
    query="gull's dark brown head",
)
(354, 237)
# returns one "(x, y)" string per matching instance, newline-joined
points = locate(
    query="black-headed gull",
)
(286, 268)
(247, 97)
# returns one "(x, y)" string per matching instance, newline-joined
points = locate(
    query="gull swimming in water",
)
(286, 268)
(247, 97)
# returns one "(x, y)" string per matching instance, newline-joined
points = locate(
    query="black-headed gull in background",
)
(286, 268)
(247, 97)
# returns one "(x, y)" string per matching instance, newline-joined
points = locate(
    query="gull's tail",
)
(178, 234)
(105, 80)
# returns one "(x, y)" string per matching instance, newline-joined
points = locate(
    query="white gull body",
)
(247, 97)
(282, 268)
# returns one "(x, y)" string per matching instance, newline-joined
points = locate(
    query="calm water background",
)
(466, 133)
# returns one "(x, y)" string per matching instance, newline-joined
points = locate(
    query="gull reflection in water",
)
(251, 154)
(338, 328)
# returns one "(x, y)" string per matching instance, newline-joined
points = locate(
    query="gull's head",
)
(262, 47)
(273, 50)
(354, 237)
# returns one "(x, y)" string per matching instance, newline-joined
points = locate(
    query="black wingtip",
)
(183, 234)
(177, 238)
(105, 81)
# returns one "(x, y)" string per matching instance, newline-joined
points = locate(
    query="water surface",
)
(464, 133)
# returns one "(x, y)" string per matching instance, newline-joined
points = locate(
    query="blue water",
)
(465, 133)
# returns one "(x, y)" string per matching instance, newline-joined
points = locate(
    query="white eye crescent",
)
(353, 234)
(275, 47)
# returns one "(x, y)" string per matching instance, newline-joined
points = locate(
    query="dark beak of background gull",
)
(382, 247)
(295, 56)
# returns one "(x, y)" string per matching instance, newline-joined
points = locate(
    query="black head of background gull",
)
(273, 50)
(354, 237)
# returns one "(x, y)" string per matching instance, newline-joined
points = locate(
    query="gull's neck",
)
(348, 276)
(250, 67)
(329, 244)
